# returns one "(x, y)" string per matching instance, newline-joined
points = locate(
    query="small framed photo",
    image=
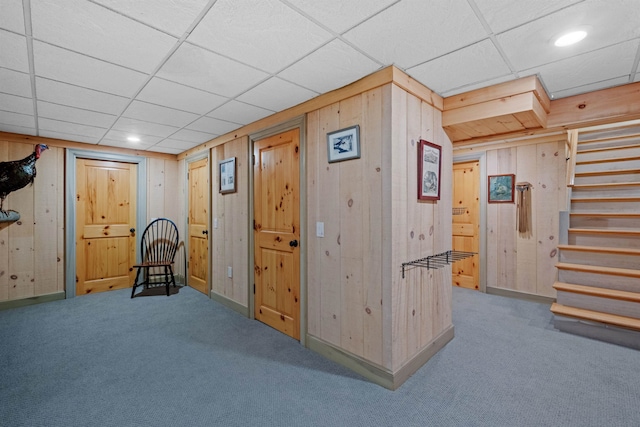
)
(227, 175)
(500, 188)
(429, 168)
(344, 144)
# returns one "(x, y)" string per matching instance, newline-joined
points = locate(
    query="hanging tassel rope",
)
(524, 209)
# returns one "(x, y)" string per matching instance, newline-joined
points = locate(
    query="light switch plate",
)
(319, 229)
(215, 222)
(229, 272)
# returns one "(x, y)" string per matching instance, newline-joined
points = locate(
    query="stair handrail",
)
(572, 151)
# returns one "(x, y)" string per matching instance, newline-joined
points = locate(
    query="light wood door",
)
(198, 179)
(466, 223)
(277, 232)
(105, 225)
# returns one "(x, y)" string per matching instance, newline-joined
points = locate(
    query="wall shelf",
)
(437, 261)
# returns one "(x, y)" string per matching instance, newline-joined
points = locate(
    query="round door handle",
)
(133, 230)
(293, 243)
(205, 231)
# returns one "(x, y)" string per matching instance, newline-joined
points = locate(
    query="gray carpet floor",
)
(184, 360)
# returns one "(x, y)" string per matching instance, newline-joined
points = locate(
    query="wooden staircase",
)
(598, 287)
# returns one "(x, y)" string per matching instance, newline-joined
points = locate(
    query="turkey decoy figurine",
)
(17, 174)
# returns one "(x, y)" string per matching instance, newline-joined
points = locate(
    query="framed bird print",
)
(500, 188)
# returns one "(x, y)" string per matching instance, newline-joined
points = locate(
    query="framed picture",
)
(227, 175)
(344, 144)
(429, 167)
(501, 188)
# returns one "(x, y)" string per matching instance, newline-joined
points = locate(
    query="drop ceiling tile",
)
(637, 78)
(158, 114)
(138, 127)
(239, 112)
(121, 137)
(340, 15)
(142, 145)
(176, 144)
(12, 16)
(93, 30)
(277, 95)
(476, 63)
(156, 148)
(79, 97)
(13, 54)
(15, 83)
(52, 111)
(70, 128)
(478, 85)
(587, 68)
(412, 32)
(10, 118)
(17, 129)
(611, 23)
(69, 137)
(212, 126)
(503, 15)
(174, 95)
(16, 104)
(192, 136)
(199, 68)
(330, 67)
(172, 16)
(265, 34)
(591, 87)
(69, 67)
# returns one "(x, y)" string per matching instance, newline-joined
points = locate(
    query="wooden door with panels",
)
(198, 225)
(277, 231)
(105, 225)
(466, 223)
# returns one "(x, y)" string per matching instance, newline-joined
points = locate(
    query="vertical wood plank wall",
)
(518, 263)
(229, 245)
(32, 255)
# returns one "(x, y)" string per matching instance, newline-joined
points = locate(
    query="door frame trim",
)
(301, 124)
(72, 155)
(482, 243)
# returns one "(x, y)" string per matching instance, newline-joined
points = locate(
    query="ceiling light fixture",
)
(133, 139)
(570, 38)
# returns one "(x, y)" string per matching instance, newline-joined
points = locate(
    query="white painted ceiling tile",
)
(15, 119)
(637, 78)
(15, 83)
(159, 149)
(587, 68)
(170, 94)
(611, 23)
(177, 144)
(12, 16)
(70, 128)
(193, 136)
(266, 34)
(212, 126)
(64, 113)
(13, 52)
(414, 31)
(330, 67)
(277, 95)
(138, 127)
(340, 15)
(157, 114)
(479, 85)
(172, 16)
(29, 130)
(126, 144)
(69, 137)
(93, 30)
(69, 67)
(121, 136)
(476, 63)
(591, 87)
(16, 104)
(197, 67)
(79, 97)
(503, 15)
(239, 112)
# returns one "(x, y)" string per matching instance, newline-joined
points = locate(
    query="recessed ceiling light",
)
(570, 38)
(133, 139)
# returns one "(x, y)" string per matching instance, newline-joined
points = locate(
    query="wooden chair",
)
(158, 250)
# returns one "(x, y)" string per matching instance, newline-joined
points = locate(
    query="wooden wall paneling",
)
(60, 279)
(328, 200)
(240, 200)
(4, 238)
(21, 233)
(371, 149)
(218, 271)
(506, 226)
(155, 190)
(549, 184)
(492, 230)
(46, 199)
(226, 202)
(173, 201)
(351, 237)
(526, 247)
(313, 243)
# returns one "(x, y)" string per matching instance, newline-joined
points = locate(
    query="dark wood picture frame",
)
(501, 188)
(227, 175)
(429, 170)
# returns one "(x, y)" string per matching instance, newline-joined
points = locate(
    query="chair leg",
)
(166, 279)
(135, 283)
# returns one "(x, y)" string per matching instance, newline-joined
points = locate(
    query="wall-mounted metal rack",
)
(459, 211)
(438, 260)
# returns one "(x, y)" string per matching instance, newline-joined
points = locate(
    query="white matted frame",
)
(343, 144)
(227, 175)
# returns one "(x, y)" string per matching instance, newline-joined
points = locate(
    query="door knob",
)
(205, 231)
(293, 243)
(133, 230)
